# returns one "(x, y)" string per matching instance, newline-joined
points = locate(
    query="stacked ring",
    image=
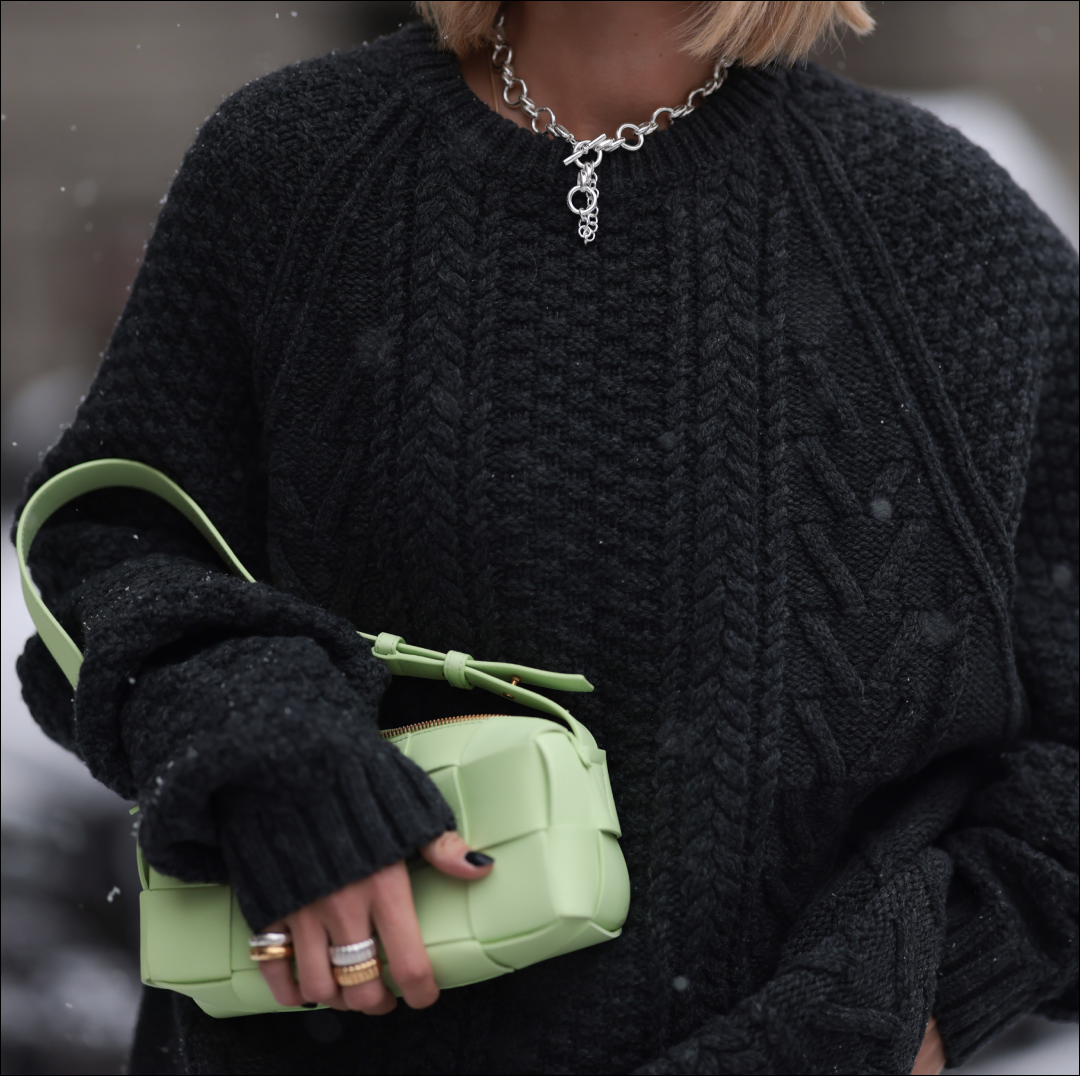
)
(357, 974)
(271, 945)
(345, 956)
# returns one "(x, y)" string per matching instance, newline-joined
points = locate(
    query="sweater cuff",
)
(984, 979)
(282, 853)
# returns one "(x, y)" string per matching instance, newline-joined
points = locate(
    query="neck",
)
(596, 64)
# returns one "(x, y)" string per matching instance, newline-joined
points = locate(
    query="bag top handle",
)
(461, 670)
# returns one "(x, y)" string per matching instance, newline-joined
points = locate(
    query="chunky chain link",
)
(583, 198)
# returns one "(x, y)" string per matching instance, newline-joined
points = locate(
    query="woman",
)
(778, 446)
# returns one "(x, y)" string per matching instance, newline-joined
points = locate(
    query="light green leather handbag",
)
(534, 793)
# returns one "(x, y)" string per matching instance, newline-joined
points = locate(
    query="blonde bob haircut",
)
(749, 32)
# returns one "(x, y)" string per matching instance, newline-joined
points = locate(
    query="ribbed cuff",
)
(283, 853)
(269, 770)
(984, 980)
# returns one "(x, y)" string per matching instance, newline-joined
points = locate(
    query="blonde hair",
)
(750, 32)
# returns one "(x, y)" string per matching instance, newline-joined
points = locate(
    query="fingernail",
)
(478, 859)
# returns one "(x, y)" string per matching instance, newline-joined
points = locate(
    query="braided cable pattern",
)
(676, 445)
(440, 331)
(726, 535)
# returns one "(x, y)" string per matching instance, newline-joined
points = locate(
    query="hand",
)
(930, 1059)
(380, 904)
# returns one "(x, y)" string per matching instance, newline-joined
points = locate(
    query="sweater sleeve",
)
(965, 904)
(1011, 939)
(242, 718)
(854, 988)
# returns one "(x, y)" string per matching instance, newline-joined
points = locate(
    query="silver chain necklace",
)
(588, 155)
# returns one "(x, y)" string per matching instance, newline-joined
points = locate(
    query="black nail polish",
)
(478, 859)
(310, 1005)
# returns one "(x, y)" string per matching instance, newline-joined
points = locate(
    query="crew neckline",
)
(701, 142)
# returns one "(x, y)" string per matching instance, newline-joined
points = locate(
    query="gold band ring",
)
(357, 974)
(260, 953)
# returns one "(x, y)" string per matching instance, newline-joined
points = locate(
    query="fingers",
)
(930, 1059)
(382, 902)
(311, 946)
(348, 918)
(451, 855)
(279, 976)
(395, 920)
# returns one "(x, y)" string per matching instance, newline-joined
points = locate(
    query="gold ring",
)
(260, 953)
(356, 974)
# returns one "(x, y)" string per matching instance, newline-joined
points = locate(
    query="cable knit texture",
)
(785, 462)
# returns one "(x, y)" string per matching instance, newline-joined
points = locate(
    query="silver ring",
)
(271, 937)
(344, 956)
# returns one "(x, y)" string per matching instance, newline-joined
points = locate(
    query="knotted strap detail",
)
(454, 669)
(386, 644)
(385, 648)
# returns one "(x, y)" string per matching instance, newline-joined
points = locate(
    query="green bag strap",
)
(461, 670)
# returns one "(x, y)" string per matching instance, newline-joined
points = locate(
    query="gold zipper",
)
(420, 726)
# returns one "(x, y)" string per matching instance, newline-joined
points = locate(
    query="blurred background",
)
(100, 100)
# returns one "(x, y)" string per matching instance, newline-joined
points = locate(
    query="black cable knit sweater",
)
(785, 462)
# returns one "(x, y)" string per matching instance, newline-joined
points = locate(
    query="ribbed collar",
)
(733, 117)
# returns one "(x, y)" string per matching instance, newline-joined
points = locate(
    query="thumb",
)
(451, 855)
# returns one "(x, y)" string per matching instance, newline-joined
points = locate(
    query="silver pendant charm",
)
(586, 187)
